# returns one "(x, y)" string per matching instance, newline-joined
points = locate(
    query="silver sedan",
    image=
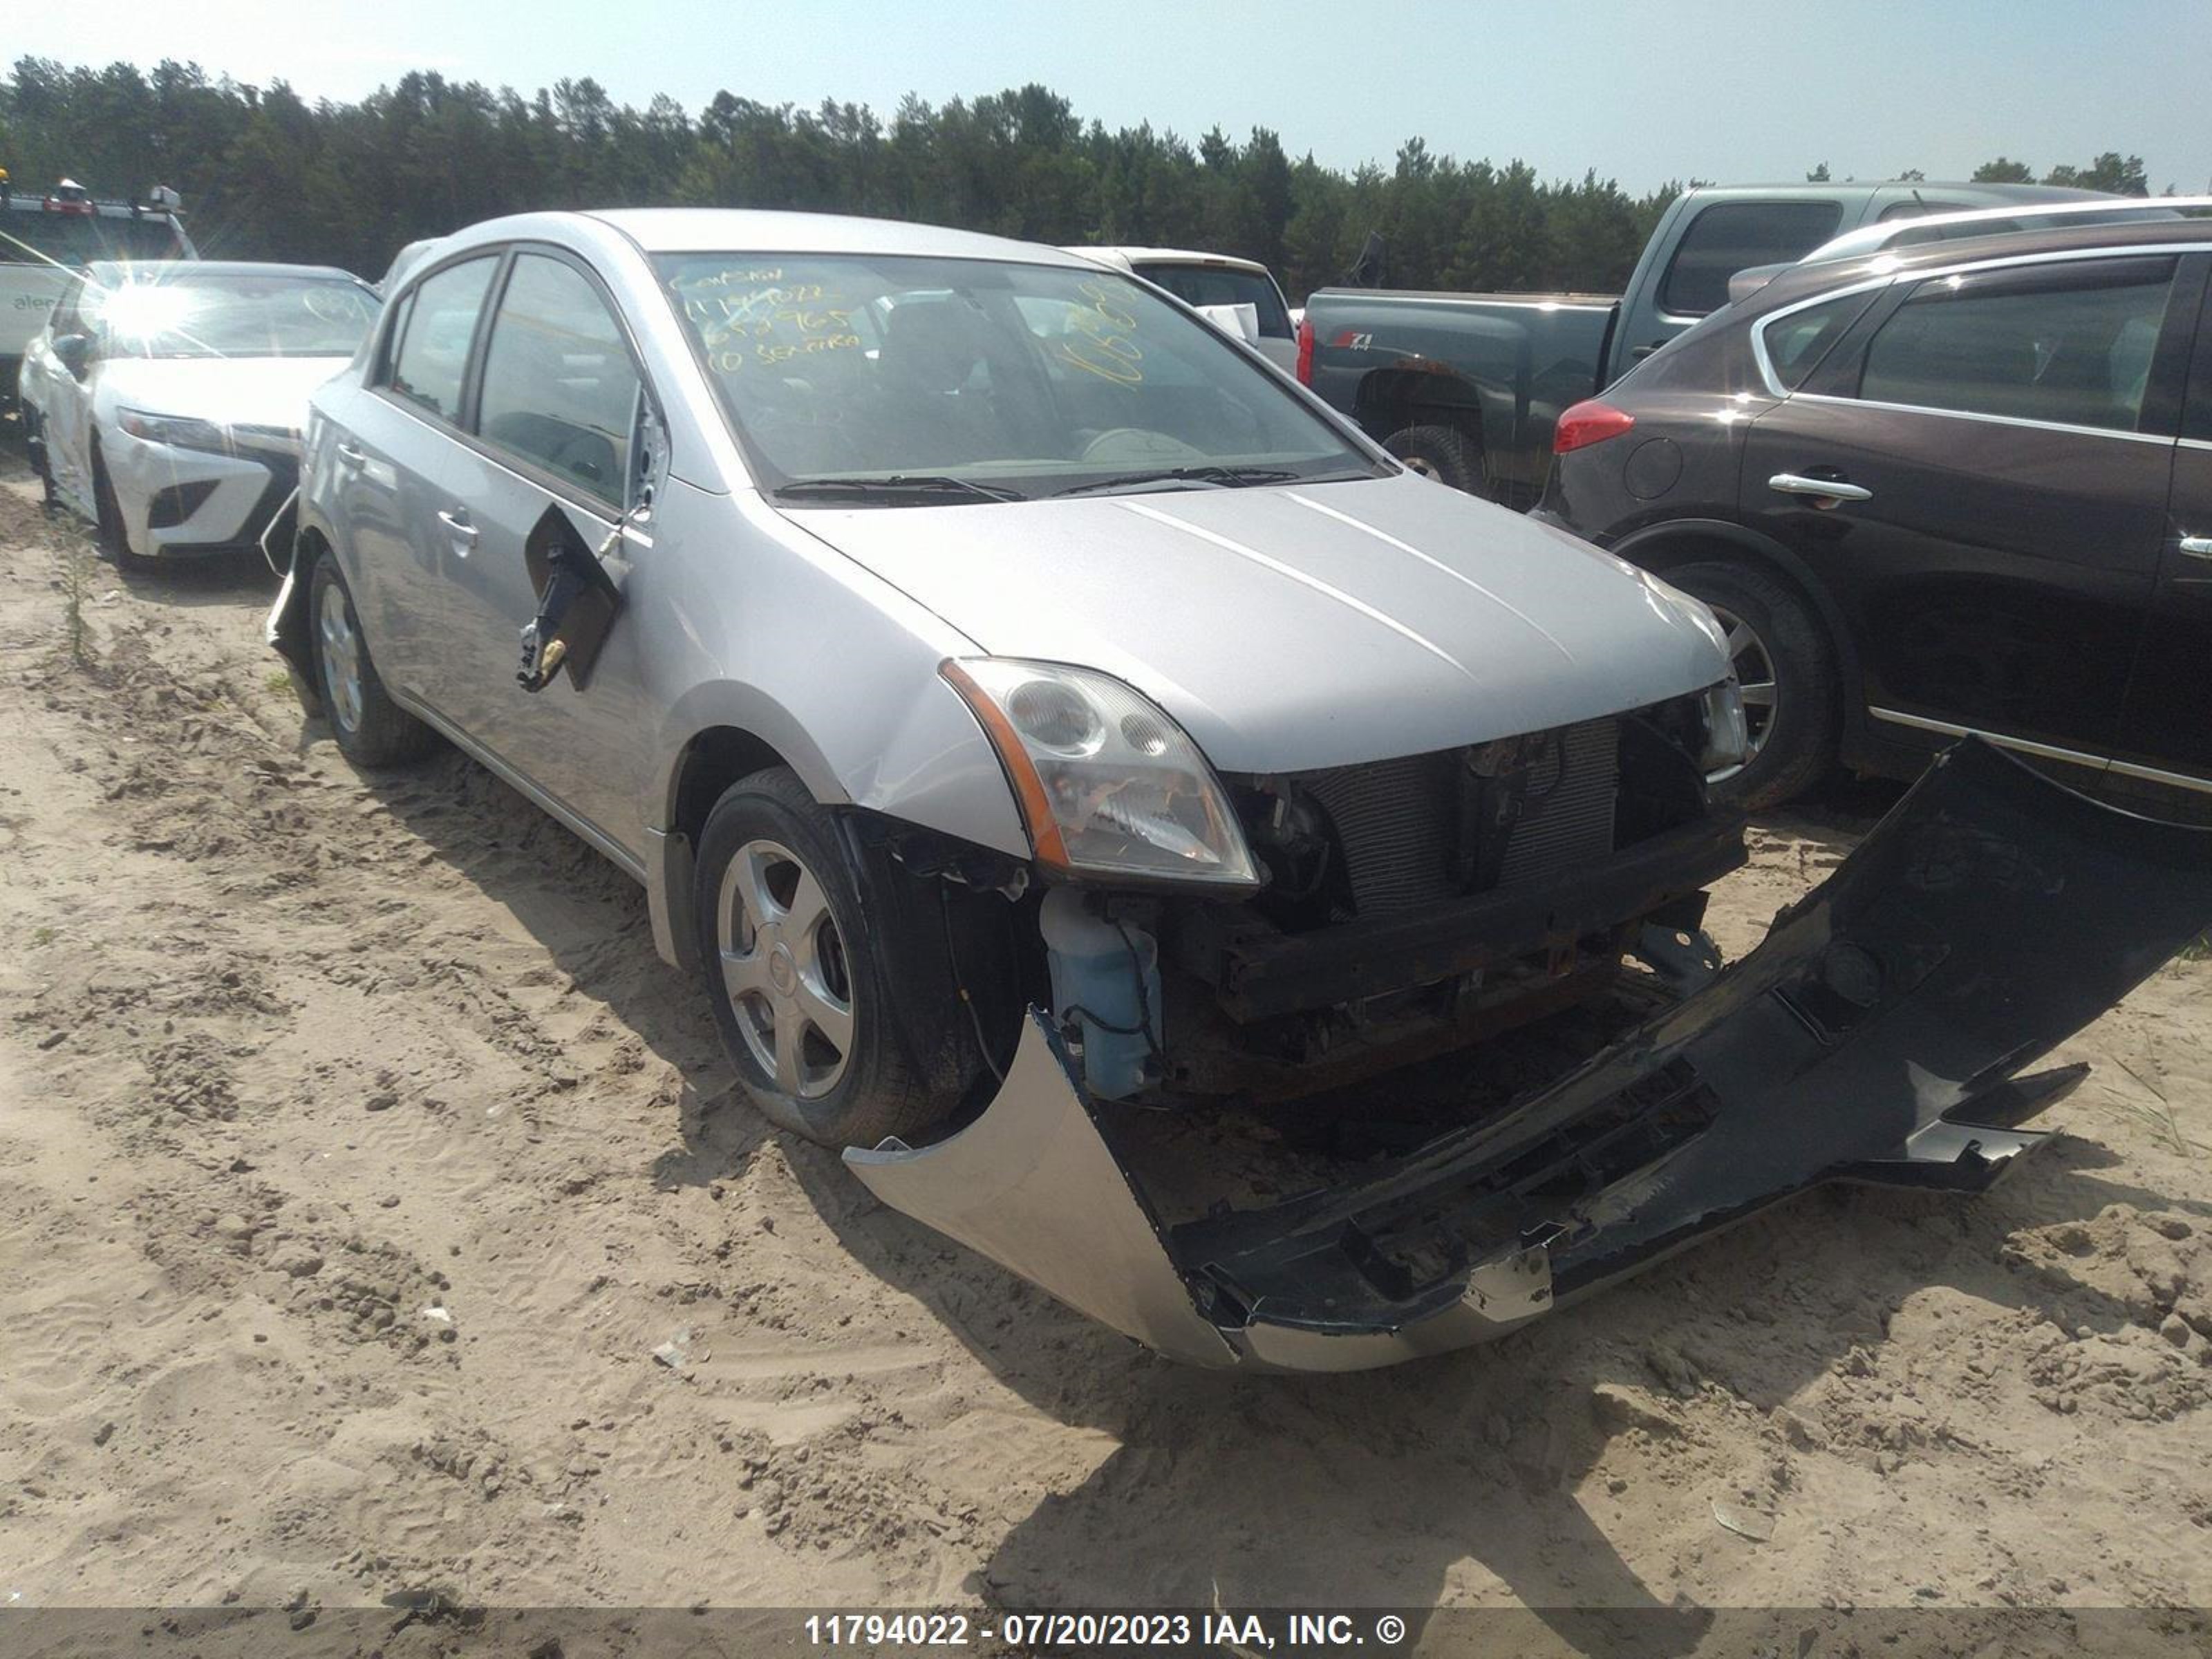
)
(1008, 689)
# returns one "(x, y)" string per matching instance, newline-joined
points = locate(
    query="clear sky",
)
(1730, 90)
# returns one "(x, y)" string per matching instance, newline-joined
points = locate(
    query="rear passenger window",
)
(426, 369)
(1732, 236)
(560, 390)
(2070, 344)
(1797, 342)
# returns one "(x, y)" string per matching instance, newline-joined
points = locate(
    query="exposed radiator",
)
(1398, 821)
(1566, 816)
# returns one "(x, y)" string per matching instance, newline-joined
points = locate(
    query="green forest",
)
(266, 175)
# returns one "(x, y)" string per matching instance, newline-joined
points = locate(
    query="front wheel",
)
(844, 1022)
(1781, 658)
(108, 533)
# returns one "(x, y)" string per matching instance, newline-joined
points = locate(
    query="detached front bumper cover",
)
(1880, 1034)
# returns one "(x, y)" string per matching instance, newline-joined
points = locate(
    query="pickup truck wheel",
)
(1442, 452)
(372, 730)
(807, 984)
(1787, 668)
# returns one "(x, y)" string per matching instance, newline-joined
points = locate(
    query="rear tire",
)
(372, 730)
(843, 1020)
(1446, 453)
(1781, 652)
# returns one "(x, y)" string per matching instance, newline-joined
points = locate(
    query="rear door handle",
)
(1827, 490)
(352, 452)
(2197, 547)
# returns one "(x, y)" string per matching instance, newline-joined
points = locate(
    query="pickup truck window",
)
(1729, 236)
(2069, 344)
(1220, 285)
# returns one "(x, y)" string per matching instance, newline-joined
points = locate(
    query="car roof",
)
(106, 272)
(1958, 227)
(1803, 282)
(1990, 195)
(1168, 256)
(698, 230)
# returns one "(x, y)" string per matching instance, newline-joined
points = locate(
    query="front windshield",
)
(843, 372)
(234, 316)
(73, 240)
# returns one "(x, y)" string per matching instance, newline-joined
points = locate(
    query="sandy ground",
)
(361, 1153)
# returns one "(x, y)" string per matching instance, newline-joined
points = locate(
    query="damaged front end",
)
(1879, 1033)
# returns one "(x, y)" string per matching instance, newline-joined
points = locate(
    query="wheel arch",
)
(720, 744)
(1661, 546)
(1410, 394)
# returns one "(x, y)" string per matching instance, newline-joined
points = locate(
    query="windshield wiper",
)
(902, 484)
(1225, 477)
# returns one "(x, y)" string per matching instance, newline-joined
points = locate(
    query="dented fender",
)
(1881, 1033)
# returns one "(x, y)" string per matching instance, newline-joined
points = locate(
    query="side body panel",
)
(1998, 576)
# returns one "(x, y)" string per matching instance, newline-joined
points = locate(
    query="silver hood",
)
(1296, 628)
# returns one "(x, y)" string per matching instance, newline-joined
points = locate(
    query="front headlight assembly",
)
(1111, 788)
(178, 431)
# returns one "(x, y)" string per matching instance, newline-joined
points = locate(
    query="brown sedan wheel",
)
(1783, 660)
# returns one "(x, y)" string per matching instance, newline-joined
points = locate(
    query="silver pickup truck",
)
(1467, 387)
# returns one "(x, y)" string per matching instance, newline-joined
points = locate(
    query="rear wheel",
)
(1782, 657)
(372, 730)
(1446, 453)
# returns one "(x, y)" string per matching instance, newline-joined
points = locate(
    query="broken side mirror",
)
(578, 600)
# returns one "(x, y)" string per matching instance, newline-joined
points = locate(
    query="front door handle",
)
(2197, 547)
(1830, 490)
(458, 527)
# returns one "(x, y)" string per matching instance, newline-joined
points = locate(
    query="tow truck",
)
(47, 235)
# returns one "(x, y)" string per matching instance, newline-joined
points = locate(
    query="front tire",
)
(372, 730)
(843, 1020)
(107, 532)
(1782, 656)
(1446, 453)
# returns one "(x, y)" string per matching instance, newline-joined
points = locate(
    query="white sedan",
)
(165, 402)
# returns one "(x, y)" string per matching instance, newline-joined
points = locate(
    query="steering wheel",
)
(1140, 444)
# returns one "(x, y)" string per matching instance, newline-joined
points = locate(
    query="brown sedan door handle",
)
(1824, 492)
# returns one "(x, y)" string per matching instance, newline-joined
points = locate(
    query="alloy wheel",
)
(785, 968)
(341, 654)
(1753, 666)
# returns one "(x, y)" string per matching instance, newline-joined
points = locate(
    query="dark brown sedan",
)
(1961, 488)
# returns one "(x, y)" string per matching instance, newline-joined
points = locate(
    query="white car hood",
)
(231, 390)
(1301, 627)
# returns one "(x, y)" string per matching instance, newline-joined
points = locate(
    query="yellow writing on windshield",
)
(1102, 337)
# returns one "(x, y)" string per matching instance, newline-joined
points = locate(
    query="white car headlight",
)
(1108, 786)
(178, 431)
(1727, 741)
